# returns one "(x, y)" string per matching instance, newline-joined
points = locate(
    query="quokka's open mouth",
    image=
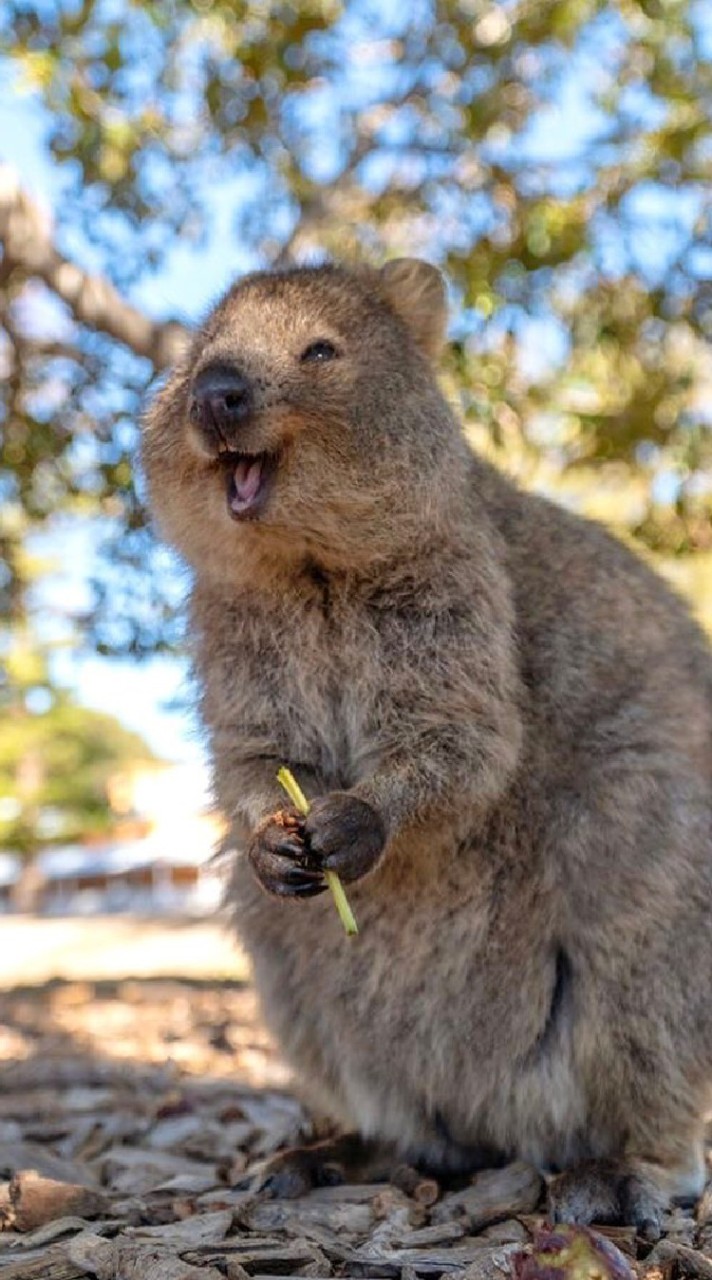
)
(249, 479)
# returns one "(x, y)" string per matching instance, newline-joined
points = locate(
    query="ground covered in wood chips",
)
(135, 1112)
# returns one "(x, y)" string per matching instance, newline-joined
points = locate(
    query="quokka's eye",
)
(318, 351)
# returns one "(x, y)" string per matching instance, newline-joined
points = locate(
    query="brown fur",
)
(524, 703)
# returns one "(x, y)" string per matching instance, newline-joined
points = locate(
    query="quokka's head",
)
(305, 414)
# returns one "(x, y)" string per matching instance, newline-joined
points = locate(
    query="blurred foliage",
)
(56, 759)
(553, 155)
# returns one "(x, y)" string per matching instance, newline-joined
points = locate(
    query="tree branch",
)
(28, 247)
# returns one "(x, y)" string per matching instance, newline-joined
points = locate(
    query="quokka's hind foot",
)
(609, 1192)
(628, 1191)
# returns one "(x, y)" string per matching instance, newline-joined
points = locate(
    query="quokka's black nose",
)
(221, 399)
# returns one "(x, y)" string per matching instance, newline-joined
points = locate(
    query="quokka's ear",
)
(416, 290)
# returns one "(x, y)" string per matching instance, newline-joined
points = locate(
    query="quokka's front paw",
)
(289, 853)
(344, 834)
(280, 857)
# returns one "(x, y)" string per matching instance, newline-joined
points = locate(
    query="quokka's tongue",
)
(247, 477)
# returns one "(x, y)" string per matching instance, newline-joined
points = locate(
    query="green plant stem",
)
(289, 783)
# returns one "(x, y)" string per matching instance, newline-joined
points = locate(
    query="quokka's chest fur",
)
(329, 694)
(308, 673)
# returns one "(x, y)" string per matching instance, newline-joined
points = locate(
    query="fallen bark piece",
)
(137, 1171)
(330, 1242)
(392, 1201)
(52, 1265)
(396, 1223)
(492, 1264)
(653, 1273)
(280, 1215)
(319, 1268)
(174, 1130)
(195, 1184)
(94, 1254)
(27, 1243)
(90, 1255)
(440, 1233)
(425, 1191)
(224, 1198)
(681, 1259)
(15, 1156)
(425, 1262)
(201, 1229)
(284, 1259)
(235, 1270)
(134, 1263)
(35, 1200)
(493, 1194)
(508, 1231)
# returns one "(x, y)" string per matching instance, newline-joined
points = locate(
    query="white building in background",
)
(159, 860)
